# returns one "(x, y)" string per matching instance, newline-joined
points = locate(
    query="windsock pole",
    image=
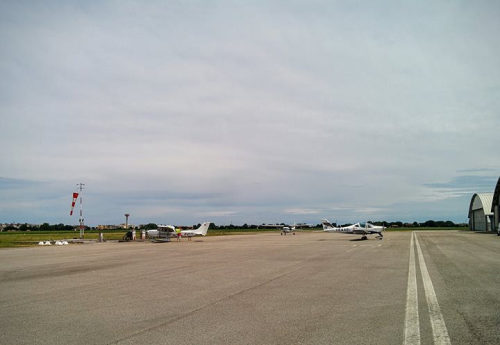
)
(82, 226)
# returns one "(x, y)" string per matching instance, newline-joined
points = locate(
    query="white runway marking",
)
(439, 330)
(412, 325)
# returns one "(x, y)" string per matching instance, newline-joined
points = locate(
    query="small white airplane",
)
(201, 231)
(167, 231)
(356, 229)
(288, 229)
(163, 231)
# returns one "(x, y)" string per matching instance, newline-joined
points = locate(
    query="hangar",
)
(480, 215)
(495, 207)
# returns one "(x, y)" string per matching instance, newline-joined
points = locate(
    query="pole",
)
(82, 226)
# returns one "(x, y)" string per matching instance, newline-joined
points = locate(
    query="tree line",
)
(426, 224)
(41, 227)
(396, 224)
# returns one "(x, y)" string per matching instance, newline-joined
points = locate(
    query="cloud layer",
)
(258, 112)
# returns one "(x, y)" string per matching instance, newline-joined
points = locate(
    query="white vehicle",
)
(356, 229)
(168, 231)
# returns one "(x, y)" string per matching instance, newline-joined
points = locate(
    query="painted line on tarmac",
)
(412, 325)
(439, 330)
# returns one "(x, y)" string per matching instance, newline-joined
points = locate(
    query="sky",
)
(250, 112)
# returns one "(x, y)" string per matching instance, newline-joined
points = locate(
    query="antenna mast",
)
(82, 226)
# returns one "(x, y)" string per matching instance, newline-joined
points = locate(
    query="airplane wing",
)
(373, 231)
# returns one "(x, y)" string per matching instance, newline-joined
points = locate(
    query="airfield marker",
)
(412, 325)
(439, 330)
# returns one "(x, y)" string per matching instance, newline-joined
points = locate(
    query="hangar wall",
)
(495, 207)
(480, 215)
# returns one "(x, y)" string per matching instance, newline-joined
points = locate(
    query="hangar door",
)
(479, 221)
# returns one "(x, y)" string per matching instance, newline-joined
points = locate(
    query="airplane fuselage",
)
(356, 229)
(172, 231)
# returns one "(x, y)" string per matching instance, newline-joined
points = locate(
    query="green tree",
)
(430, 223)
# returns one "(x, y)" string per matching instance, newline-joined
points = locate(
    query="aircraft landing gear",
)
(364, 238)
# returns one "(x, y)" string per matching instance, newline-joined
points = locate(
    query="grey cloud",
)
(479, 183)
(247, 110)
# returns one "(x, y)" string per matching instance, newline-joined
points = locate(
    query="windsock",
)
(75, 196)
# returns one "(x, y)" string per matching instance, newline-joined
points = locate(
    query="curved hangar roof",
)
(496, 196)
(481, 201)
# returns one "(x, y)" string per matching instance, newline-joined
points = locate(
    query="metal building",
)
(495, 207)
(480, 215)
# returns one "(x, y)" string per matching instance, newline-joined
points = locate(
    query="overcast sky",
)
(248, 111)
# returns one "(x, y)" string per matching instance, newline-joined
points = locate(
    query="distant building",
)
(495, 207)
(480, 215)
(107, 227)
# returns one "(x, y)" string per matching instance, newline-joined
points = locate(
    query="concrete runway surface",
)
(312, 288)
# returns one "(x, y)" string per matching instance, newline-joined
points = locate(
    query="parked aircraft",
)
(356, 229)
(201, 231)
(287, 229)
(168, 231)
(163, 231)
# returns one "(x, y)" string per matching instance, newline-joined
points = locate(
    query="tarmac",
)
(311, 288)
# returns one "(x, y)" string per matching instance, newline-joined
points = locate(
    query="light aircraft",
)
(167, 231)
(163, 231)
(287, 229)
(374, 227)
(356, 229)
(201, 231)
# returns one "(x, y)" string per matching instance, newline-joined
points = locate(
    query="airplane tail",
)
(326, 224)
(203, 229)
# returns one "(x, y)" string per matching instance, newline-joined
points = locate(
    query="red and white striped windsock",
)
(75, 196)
